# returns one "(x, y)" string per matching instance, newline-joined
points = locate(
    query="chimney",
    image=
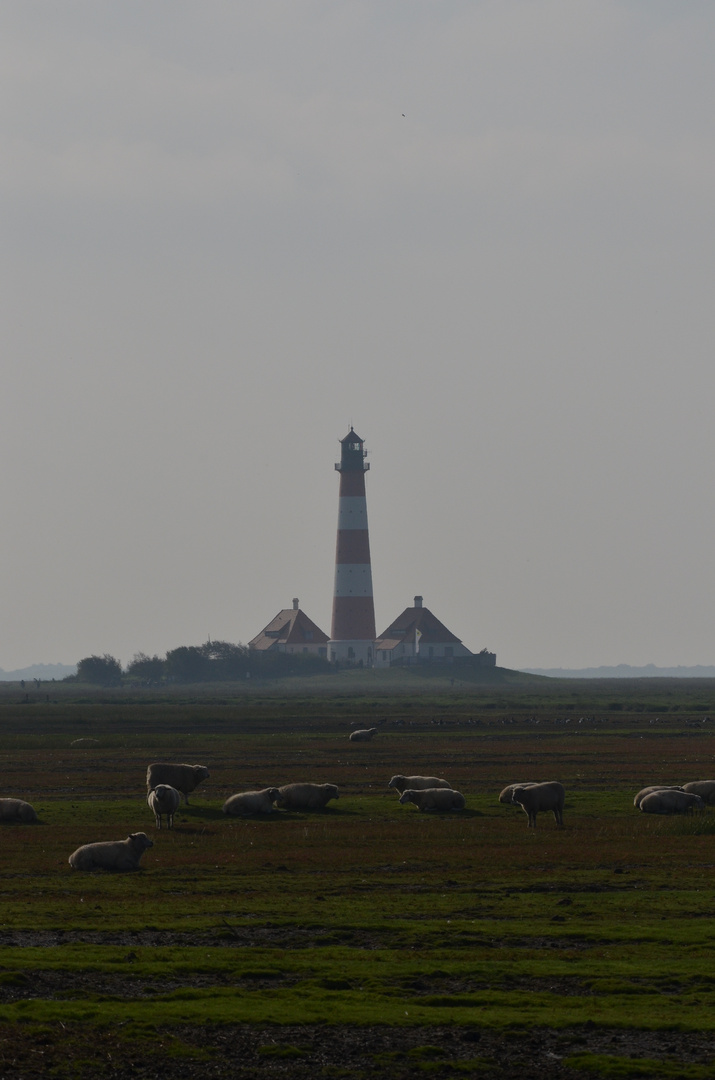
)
(418, 601)
(295, 603)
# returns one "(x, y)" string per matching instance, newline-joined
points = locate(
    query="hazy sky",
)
(481, 232)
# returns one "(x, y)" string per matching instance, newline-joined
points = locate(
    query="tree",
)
(149, 669)
(187, 664)
(101, 670)
(226, 660)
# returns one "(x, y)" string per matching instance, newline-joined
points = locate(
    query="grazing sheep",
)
(505, 796)
(119, 855)
(704, 788)
(251, 802)
(549, 796)
(638, 799)
(417, 783)
(183, 777)
(164, 799)
(671, 801)
(434, 798)
(306, 796)
(17, 811)
(363, 734)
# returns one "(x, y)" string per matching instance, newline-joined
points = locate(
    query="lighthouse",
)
(352, 635)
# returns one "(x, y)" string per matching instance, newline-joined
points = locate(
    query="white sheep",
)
(671, 801)
(306, 796)
(417, 783)
(17, 811)
(704, 788)
(538, 797)
(363, 734)
(251, 802)
(183, 777)
(506, 794)
(433, 798)
(119, 855)
(638, 799)
(164, 799)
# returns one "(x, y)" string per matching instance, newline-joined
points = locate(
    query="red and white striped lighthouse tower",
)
(352, 636)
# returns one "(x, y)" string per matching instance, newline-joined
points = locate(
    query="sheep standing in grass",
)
(506, 794)
(183, 777)
(638, 799)
(670, 801)
(363, 734)
(538, 797)
(118, 855)
(251, 802)
(417, 783)
(704, 788)
(306, 796)
(16, 811)
(440, 799)
(164, 799)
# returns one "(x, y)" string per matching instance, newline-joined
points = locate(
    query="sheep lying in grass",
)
(638, 799)
(164, 799)
(183, 777)
(538, 797)
(670, 801)
(306, 796)
(433, 798)
(251, 802)
(363, 734)
(417, 783)
(119, 855)
(16, 811)
(704, 788)
(505, 795)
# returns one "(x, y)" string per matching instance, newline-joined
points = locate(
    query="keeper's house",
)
(417, 636)
(291, 632)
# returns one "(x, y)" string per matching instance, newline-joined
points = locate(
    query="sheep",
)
(17, 811)
(363, 734)
(306, 796)
(417, 783)
(637, 799)
(164, 799)
(183, 777)
(704, 788)
(433, 798)
(251, 802)
(505, 796)
(119, 855)
(671, 801)
(548, 796)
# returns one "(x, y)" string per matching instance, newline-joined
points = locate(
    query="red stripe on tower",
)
(352, 635)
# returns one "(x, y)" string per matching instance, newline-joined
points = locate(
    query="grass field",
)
(369, 937)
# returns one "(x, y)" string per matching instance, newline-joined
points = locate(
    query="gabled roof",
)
(432, 631)
(290, 627)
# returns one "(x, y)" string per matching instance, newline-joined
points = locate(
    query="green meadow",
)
(370, 924)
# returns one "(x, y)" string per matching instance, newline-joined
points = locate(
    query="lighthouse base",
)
(356, 651)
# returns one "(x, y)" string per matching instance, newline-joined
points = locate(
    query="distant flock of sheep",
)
(167, 782)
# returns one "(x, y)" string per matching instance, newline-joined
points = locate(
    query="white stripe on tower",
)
(353, 626)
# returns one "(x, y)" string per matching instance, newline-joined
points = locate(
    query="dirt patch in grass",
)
(309, 1051)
